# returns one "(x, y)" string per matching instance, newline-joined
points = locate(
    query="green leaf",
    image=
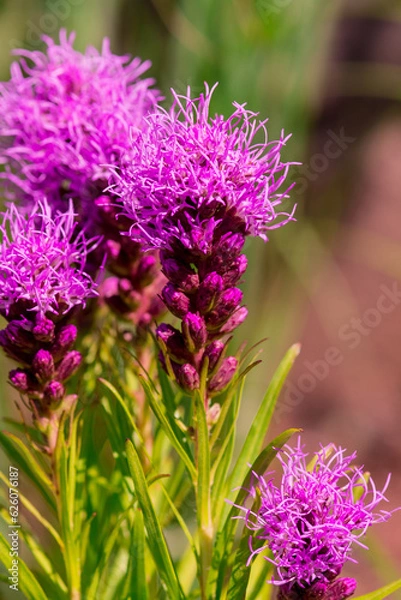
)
(261, 422)
(22, 457)
(180, 446)
(156, 540)
(28, 584)
(223, 559)
(384, 592)
(137, 587)
(123, 405)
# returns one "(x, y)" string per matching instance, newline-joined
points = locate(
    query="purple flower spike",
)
(311, 520)
(194, 186)
(43, 283)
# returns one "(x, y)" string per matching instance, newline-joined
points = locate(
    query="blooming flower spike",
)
(43, 282)
(195, 187)
(311, 520)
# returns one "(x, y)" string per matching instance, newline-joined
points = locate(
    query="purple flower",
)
(65, 116)
(43, 283)
(188, 170)
(42, 261)
(195, 186)
(311, 519)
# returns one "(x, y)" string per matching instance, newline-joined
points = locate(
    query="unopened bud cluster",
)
(202, 293)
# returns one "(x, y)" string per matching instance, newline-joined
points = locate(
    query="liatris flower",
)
(66, 116)
(42, 284)
(195, 187)
(310, 521)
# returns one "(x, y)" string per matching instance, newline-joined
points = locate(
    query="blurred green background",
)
(329, 73)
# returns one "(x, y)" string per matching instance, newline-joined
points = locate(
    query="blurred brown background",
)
(330, 73)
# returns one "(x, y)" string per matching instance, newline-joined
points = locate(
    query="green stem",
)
(203, 495)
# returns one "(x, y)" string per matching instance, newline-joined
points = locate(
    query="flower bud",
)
(235, 270)
(224, 375)
(19, 379)
(54, 392)
(229, 301)
(112, 249)
(235, 320)
(194, 332)
(131, 297)
(213, 352)
(177, 302)
(182, 276)
(65, 340)
(146, 270)
(69, 365)
(43, 329)
(341, 589)
(187, 377)
(18, 337)
(43, 366)
(174, 342)
(209, 292)
(230, 246)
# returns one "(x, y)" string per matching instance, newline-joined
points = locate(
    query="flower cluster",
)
(195, 187)
(65, 118)
(43, 283)
(310, 521)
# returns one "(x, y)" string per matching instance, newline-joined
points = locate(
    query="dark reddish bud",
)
(235, 320)
(54, 392)
(18, 337)
(43, 329)
(69, 365)
(182, 276)
(43, 366)
(177, 302)
(194, 331)
(145, 272)
(235, 270)
(65, 340)
(224, 375)
(230, 246)
(213, 352)
(113, 249)
(187, 377)
(229, 301)
(174, 342)
(341, 589)
(19, 379)
(209, 292)
(131, 297)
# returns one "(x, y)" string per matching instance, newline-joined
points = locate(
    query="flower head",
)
(311, 520)
(42, 261)
(66, 115)
(189, 171)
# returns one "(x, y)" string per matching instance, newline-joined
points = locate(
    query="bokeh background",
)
(329, 72)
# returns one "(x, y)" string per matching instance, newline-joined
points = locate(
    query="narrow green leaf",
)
(181, 447)
(27, 582)
(137, 581)
(156, 540)
(383, 592)
(23, 458)
(123, 405)
(261, 422)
